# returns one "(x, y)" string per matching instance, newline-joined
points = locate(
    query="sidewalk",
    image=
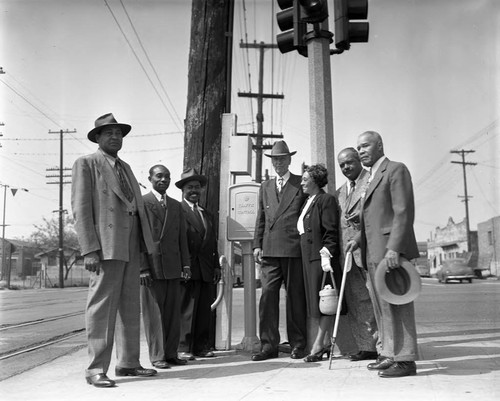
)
(452, 367)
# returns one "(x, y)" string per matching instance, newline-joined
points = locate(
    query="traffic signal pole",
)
(320, 100)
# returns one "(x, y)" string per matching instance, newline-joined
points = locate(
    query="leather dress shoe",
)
(297, 353)
(205, 354)
(400, 369)
(161, 365)
(138, 371)
(188, 356)
(381, 363)
(363, 356)
(100, 380)
(263, 355)
(176, 361)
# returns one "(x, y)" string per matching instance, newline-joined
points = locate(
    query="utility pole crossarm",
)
(466, 197)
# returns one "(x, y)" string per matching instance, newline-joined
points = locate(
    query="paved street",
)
(459, 342)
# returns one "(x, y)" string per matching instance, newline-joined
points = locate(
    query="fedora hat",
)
(107, 120)
(191, 175)
(398, 286)
(280, 148)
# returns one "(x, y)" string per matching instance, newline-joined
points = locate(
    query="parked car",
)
(455, 269)
(423, 270)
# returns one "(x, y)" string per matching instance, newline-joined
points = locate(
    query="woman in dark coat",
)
(318, 226)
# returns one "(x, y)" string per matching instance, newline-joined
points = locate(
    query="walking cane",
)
(347, 267)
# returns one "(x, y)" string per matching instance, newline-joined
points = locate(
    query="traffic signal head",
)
(346, 31)
(314, 11)
(292, 37)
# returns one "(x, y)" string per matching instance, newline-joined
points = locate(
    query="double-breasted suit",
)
(116, 228)
(198, 293)
(387, 217)
(360, 309)
(277, 235)
(171, 253)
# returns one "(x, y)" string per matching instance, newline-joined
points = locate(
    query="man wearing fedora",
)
(360, 309)
(112, 231)
(387, 239)
(168, 265)
(198, 293)
(277, 248)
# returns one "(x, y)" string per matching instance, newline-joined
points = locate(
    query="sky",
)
(427, 81)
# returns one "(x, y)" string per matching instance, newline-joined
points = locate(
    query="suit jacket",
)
(321, 226)
(101, 211)
(171, 248)
(388, 212)
(276, 223)
(349, 230)
(203, 249)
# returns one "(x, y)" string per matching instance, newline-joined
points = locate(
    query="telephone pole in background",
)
(61, 211)
(260, 96)
(466, 196)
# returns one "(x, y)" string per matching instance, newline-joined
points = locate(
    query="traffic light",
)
(292, 37)
(346, 31)
(314, 11)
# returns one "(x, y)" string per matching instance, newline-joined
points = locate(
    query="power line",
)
(150, 63)
(142, 66)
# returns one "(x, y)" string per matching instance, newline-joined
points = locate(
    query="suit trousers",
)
(275, 272)
(113, 310)
(360, 309)
(168, 297)
(151, 319)
(396, 324)
(196, 316)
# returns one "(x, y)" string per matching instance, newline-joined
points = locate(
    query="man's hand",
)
(217, 274)
(146, 279)
(351, 246)
(186, 272)
(392, 259)
(257, 255)
(92, 262)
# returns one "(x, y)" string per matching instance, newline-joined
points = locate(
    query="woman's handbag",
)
(328, 297)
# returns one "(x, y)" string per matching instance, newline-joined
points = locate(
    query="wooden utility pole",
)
(260, 96)
(466, 196)
(61, 210)
(208, 91)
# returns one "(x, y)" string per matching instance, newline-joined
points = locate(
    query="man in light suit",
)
(277, 248)
(387, 216)
(112, 232)
(168, 265)
(360, 309)
(198, 293)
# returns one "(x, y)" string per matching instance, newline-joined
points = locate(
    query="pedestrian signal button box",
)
(243, 204)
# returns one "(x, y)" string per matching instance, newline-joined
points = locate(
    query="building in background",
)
(450, 242)
(488, 235)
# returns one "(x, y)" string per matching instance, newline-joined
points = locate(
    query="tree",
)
(46, 236)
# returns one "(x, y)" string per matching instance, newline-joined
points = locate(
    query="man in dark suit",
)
(387, 216)
(360, 309)
(169, 264)
(277, 248)
(112, 232)
(198, 293)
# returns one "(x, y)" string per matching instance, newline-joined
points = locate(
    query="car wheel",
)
(470, 281)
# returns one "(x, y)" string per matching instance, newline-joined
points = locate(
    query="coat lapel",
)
(109, 175)
(153, 205)
(359, 190)
(289, 192)
(376, 180)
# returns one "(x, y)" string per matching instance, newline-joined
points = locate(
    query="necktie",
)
(124, 185)
(197, 213)
(352, 185)
(163, 201)
(280, 184)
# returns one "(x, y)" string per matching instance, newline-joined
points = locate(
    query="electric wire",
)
(151, 64)
(142, 66)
